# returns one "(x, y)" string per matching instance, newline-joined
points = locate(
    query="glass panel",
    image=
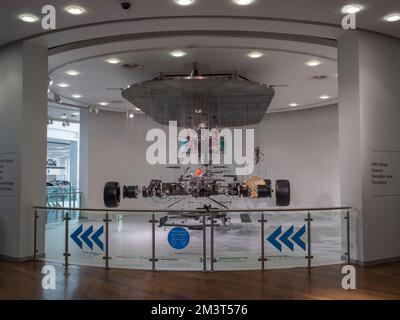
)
(54, 235)
(326, 237)
(237, 243)
(87, 239)
(63, 197)
(130, 240)
(179, 242)
(285, 240)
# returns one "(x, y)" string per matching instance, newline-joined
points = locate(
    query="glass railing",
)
(58, 197)
(194, 240)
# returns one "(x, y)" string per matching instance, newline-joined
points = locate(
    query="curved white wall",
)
(302, 146)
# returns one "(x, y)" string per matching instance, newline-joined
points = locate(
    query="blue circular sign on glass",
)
(178, 238)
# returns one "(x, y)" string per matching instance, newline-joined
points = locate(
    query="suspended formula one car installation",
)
(202, 101)
(203, 185)
(200, 186)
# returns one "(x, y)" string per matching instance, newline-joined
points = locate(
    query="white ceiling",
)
(315, 11)
(276, 67)
(145, 34)
(57, 112)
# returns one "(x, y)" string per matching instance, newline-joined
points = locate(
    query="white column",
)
(369, 137)
(23, 118)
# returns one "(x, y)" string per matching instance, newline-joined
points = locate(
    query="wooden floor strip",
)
(23, 281)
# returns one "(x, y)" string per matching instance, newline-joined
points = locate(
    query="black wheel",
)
(112, 194)
(282, 192)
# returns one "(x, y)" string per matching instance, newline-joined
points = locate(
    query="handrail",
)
(196, 210)
(63, 193)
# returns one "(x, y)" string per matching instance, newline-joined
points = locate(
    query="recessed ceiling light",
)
(113, 60)
(243, 2)
(393, 17)
(76, 114)
(313, 63)
(178, 53)
(26, 17)
(75, 10)
(72, 72)
(351, 8)
(130, 115)
(64, 116)
(184, 2)
(103, 103)
(293, 104)
(63, 85)
(255, 54)
(137, 109)
(324, 97)
(76, 96)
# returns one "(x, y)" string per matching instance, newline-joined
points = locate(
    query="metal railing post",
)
(212, 260)
(66, 252)
(204, 243)
(309, 257)
(153, 259)
(107, 220)
(69, 196)
(57, 211)
(262, 258)
(348, 235)
(35, 251)
(80, 199)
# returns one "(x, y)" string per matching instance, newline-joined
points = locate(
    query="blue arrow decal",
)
(285, 239)
(85, 237)
(297, 236)
(273, 236)
(95, 237)
(75, 236)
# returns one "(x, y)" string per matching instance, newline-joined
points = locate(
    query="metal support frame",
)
(66, 251)
(347, 218)
(107, 257)
(204, 243)
(262, 258)
(309, 256)
(153, 259)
